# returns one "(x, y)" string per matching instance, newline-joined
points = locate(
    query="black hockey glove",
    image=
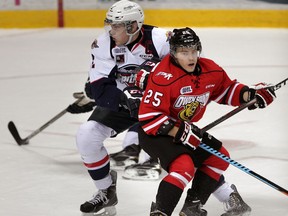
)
(85, 105)
(131, 99)
(263, 94)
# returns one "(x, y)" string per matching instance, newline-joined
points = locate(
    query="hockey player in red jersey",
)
(177, 93)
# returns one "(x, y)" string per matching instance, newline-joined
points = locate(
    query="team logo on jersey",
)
(120, 59)
(190, 105)
(185, 90)
(127, 74)
(119, 53)
(189, 111)
(165, 75)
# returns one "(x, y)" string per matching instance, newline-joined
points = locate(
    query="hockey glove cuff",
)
(263, 94)
(131, 99)
(211, 141)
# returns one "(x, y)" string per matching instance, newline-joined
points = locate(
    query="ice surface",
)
(41, 68)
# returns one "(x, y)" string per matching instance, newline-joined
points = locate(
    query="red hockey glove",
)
(263, 94)
(186, 135)
(142, 79)
(143, 71)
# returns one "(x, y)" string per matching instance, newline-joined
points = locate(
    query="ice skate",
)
(235, 206)
(103, 203)
(192, 207)
(149, 170)
(156, 212)
(126, 157)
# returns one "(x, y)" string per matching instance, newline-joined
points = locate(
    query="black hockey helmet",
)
(184, 37)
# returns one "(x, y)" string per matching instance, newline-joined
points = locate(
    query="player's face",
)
(187, 58)
(118, 33)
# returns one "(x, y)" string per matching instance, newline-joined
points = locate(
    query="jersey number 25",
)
(153, 97)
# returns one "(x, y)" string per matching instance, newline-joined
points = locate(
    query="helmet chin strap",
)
(131, 36)
(129, 40)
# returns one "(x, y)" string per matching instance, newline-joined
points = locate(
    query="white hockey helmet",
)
(126, 12)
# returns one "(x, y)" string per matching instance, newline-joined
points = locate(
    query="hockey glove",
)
(85, 105)
(143, 71)
(131, 99)
(263, 94)
(142, 79)
(187, 135)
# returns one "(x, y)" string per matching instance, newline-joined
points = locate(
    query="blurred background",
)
(198, 13)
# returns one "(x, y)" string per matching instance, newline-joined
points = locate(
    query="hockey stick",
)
(243, 168)
(13, 130)
(227, 116)
(229, 160)
(238, 109)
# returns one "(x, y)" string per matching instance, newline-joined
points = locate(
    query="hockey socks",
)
(167, 197)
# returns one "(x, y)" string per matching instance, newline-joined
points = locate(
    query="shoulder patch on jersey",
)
(94, 44)
(168, 35)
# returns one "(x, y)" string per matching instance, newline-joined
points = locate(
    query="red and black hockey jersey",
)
(174, 94)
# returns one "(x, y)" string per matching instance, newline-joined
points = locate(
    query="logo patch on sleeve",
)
(94, 44)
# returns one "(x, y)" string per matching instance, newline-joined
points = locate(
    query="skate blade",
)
(240, 214)
(120, 165)
(107, 211)
(143, 175)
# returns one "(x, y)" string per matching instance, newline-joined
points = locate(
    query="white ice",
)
(41, 68)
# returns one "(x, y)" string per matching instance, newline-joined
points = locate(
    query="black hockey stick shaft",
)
(238, 109)
(227, 116)
(24, 141)
(243, 168)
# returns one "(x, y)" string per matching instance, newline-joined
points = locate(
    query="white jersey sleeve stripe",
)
(157, 123)
(222, 95)
(232, 94)
(151, 114)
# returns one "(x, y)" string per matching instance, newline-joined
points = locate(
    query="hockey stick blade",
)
(13, 130)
